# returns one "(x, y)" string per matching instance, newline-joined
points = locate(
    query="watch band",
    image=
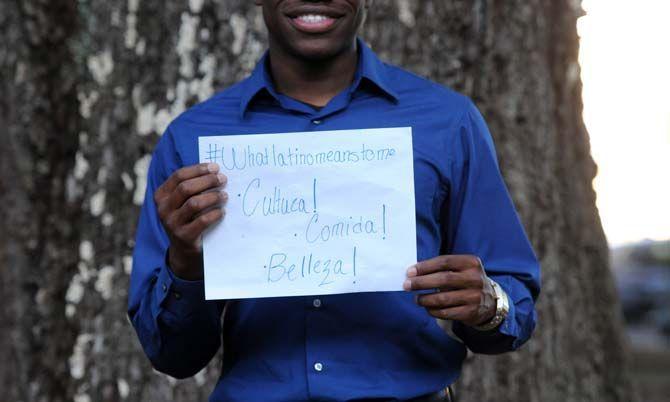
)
(502, 308)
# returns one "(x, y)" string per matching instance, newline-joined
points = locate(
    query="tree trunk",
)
(88, 86)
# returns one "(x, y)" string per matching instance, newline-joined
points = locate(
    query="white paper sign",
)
(311, 213)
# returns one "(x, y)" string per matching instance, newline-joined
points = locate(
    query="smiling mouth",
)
(313, 23)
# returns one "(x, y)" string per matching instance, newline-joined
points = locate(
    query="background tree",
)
(89, 85)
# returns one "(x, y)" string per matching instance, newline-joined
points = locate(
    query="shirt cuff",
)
(178, 296)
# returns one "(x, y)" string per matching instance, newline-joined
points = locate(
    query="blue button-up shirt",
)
(348, 346)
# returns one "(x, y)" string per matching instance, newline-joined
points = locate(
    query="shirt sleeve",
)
(482, 221)
(169, 314)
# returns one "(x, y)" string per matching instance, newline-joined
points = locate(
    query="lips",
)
(313, 21)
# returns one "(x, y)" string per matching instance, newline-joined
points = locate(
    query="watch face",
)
(502, 301)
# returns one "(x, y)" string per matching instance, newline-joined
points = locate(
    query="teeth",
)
(312, 18)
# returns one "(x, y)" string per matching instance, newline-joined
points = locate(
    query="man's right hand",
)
(190, 201)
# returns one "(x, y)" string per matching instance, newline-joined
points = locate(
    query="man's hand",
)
(190, 201)
(462, 290)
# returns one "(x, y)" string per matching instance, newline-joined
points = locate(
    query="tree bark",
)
(90, 85)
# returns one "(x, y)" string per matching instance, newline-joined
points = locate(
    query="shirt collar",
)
(370, 68)
(374, 70)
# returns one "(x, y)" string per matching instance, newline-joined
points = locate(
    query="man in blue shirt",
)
(477, 269)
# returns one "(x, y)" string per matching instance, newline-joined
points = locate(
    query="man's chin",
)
(316, 49)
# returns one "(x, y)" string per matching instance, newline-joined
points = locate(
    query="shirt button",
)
(177, 295)
(164, 288)
(316, 303)
(317, 121)
(318, 366)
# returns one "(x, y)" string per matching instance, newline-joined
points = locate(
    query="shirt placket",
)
(316, 363)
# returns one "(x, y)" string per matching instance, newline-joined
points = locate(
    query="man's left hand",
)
(462, 292)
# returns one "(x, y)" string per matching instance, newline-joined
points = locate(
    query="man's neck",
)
(309, 81)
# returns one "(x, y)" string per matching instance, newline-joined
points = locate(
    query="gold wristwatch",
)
(502, 308)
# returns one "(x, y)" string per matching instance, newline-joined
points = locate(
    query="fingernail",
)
(411, 271)
(407, 285)
(213, 167)
(221, 177)
(224, 196)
